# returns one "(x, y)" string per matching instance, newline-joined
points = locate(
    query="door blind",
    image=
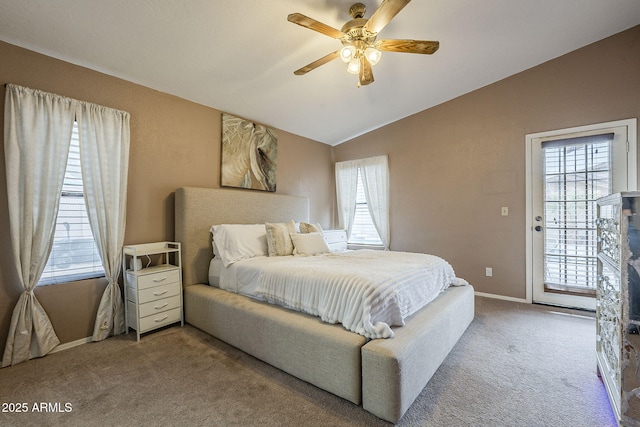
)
(577, 172)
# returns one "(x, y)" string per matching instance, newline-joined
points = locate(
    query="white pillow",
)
(216, 252)
(308, 244)
(235, 242)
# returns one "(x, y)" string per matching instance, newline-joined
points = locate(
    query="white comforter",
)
(367, 291)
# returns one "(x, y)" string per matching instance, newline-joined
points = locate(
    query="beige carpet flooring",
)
(517, 365)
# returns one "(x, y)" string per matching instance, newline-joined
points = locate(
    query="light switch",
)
(505, 211)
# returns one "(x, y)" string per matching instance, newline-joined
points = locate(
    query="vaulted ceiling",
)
(239, 56)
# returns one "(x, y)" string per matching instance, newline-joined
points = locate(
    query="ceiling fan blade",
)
(312, 24)
(385, 13)
(315, 64)
(409, 46)
(365, 75)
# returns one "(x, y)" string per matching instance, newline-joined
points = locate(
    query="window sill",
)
(70, 278)
(355, 246)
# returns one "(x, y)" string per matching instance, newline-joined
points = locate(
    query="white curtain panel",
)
(38, 127)
(346, 192)
(375, 180)
(37, 135)
(104, 155)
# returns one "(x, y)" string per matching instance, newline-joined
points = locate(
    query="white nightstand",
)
(336, 240)
(153, 294)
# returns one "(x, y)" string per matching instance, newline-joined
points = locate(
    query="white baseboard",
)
(482, 294)
(71, 344)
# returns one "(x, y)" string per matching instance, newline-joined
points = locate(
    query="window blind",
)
(74, 255)
(363, 231)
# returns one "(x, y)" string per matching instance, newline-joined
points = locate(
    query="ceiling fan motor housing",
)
(354, 29)
(355, 32)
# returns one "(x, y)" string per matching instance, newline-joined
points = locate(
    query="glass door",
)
(568, 170)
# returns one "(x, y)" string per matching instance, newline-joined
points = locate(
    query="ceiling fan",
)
(358, 36)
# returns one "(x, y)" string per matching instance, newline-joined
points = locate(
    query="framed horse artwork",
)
(249, 154)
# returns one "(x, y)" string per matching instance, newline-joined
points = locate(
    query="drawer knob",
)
(160, 293)
(158, 307)
(160, 320)
(160, 280)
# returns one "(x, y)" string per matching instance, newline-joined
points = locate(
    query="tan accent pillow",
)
(308, 244)
(279, 238)
(305, 227)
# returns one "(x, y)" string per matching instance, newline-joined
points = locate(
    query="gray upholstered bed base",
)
(325, 355)
(394, 371)
(385, 376)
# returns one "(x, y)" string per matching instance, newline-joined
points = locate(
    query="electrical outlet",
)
(488, 271)
(504, 211)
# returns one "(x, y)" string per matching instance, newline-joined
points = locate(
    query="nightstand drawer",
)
(160, 278)
(159, 306)
(160, 319)
(335, 236)
(336, 240)
(153, 294)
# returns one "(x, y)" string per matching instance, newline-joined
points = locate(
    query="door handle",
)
(538, 228)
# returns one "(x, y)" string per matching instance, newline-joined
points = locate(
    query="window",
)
(74, 255)
(363, 231)
(362, 193)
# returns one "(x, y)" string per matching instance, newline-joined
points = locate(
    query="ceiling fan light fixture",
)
(347, 53)
(354, 66)
(360, 50)
(373, 55)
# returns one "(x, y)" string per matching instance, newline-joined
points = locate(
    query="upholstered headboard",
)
(197, 209)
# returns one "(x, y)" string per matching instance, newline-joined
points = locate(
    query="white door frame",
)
(632, 179)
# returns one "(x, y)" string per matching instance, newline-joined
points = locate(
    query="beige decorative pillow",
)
(279, 238)
(305, 227)
(309, 244)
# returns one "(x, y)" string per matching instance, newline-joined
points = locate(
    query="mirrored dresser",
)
(618, 303)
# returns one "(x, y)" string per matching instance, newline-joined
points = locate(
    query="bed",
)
(383, 375)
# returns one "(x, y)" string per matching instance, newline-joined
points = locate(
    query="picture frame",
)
(249, 154)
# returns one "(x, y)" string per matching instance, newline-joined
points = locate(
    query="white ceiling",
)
(238, 56)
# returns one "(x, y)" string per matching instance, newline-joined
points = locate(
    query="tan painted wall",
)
(174, 143)
(454, 166)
